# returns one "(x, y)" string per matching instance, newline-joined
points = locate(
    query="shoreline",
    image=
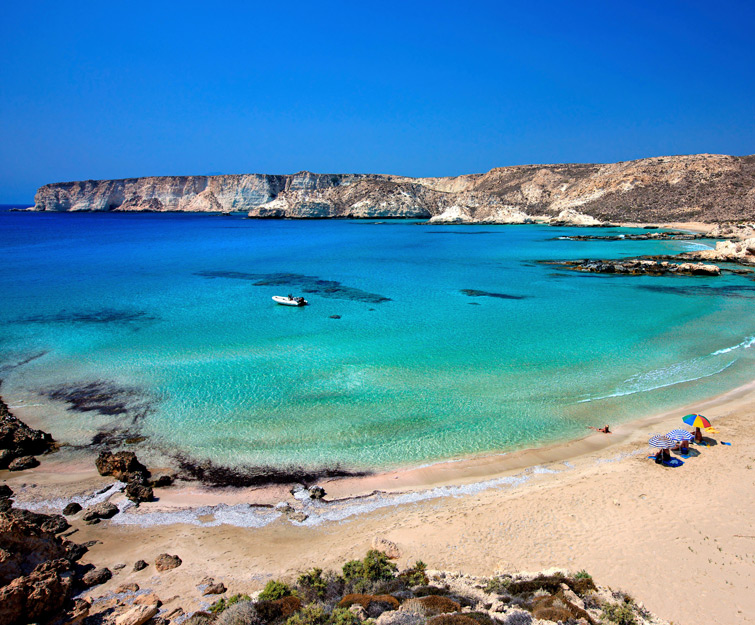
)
(406, 484)
(591, 512)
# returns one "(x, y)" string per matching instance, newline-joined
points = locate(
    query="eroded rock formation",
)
(703, 187)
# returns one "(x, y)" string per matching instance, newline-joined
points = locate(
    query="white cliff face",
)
(703, 187)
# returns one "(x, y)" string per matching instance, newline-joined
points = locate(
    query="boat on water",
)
(289, 300)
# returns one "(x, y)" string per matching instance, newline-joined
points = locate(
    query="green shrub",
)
(352, 570)
(241, 613)
(313, 581)
(377, 566)
(343, 616)
(223, 603)
(497, 585)
(416, 575)
(619, 613)
(282, 608)
(312, 614)
(583, 575)
(275, 590)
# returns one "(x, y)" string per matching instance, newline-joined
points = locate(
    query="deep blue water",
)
(451, 341)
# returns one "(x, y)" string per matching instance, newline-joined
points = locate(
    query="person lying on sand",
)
(605, 429)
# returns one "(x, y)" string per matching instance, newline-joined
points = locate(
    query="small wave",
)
(746, 344)
(633, 391)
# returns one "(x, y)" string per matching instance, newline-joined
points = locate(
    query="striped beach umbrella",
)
(696, 421)
(680, 435)
(661, 442)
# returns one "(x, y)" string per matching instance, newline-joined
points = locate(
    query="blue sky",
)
(114, 90)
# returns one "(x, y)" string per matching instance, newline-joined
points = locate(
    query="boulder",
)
(122, 465)
(148, 599)
(5, 491)
(23, 463)
(19, 438)
(215, 589)
(102, 510)
(6, 456)
(138, 492)
(166, 562)
(139, 565)
(132, 587)
(38, 596)
(95, 577)
(72, 508)
(54, 523)
(388, 547)
(316, 492)
(138, 615)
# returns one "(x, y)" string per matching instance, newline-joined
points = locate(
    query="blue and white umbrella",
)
(660, 441)
(680, 435)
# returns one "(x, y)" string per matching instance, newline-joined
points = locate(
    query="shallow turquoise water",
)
(165, 313)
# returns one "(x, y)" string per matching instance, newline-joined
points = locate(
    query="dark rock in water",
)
(335, 316)
(23, 463)
(307, 284)
(138, 492)
(139, 565)
(72, 508)
(477, 293)
(122, 465)
(104, 510)
(5, 491)
(96, 577)
(166, 562)
(638, 266)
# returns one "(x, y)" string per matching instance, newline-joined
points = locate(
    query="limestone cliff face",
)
(702, 187)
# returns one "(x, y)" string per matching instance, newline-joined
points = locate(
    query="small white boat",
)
(289, 301)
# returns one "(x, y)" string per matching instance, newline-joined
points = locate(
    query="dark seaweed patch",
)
(24, 361)
(731, 290)
(105, 315)
(476, 293)
(307, 284)
(213, 474)
(104, 398)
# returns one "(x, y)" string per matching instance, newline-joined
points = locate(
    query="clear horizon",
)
(428, 90)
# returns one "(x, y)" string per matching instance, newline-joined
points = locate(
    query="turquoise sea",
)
(450, 341)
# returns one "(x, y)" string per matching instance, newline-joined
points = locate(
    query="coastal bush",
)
(313, 583)
(481, 618)
(226, 602)
(240, 613)
(433, 605)
(275, 609)
(344, 616)
(451, 619)
(424, 591)
(375, 566)
(518, 617)
(275, 590)
(582, 575)
(619, 613)
(498, 585)
(312, 614)
(374, 605)
(416, 575)
(552, 614)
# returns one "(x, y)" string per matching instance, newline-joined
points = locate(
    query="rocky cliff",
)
(703, 187)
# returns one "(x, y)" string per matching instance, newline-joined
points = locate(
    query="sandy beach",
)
(681, 540)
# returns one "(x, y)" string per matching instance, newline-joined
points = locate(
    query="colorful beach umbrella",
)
(696, 421)
(680, 435)
(661, 442)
